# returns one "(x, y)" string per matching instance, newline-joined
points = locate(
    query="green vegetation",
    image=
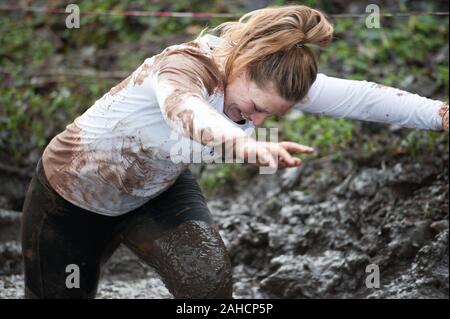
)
(223, 175)
(328, 135)
(35, 108)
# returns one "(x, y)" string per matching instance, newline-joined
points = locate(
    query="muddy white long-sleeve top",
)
(369, 101)
(117, 155)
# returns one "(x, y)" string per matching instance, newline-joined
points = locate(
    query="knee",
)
(201, 268)
(206, 280)
(214, 280)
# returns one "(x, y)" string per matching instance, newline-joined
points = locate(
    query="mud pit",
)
(309, 233)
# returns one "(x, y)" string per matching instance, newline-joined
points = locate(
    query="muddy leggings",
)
(173, 233)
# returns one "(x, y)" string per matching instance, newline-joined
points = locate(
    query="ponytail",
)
(273, 45)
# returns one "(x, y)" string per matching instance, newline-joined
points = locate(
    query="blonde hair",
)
(272, 45)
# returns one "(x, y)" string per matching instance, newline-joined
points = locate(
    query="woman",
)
(109, 177)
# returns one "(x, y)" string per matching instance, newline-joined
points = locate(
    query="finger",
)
(282, 164)
(265, 158)
(292, 147)
(285, 156)
(281, 153)
(297, 162)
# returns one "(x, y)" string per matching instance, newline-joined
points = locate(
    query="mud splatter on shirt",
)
(116, 156)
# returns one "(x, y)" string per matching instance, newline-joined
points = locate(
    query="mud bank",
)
(315, 237)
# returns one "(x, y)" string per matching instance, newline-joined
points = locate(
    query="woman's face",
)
(244, 100)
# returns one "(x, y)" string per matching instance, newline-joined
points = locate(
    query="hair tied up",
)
(263, 44)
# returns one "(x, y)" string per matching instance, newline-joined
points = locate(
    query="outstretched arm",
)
(369, 101)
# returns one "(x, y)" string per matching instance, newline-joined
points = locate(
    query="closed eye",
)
(257, 109)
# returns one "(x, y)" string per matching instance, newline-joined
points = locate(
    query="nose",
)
(258, 118)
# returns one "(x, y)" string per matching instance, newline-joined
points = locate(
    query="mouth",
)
(236, 115)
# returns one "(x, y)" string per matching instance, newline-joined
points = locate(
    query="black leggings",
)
(173, 233)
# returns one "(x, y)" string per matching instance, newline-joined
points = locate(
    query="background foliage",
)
(35, 104)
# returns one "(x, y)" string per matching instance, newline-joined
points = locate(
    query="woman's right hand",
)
(270, 154)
